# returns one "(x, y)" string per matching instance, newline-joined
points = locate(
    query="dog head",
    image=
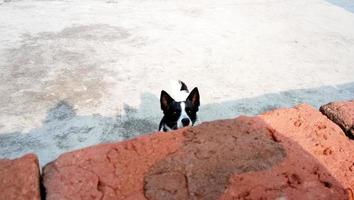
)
(178, 114)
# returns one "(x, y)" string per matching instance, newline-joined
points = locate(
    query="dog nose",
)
(185, 121)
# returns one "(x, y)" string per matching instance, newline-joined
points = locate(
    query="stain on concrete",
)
(135, 126)
(52, 66)
(130, 124)
(63, 130)
(62, 111)
(98, 32)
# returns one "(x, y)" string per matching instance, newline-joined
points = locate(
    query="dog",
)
(181, 112)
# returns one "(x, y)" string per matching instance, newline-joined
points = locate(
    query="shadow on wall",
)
(63, 130)
(346, 4)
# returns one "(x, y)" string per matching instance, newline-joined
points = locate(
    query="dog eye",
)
(174, 113)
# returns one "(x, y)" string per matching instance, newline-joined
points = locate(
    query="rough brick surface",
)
(19, 178)
(209, 156)
(318, 138)
(341, 113)
(108, 171)
(288, 153)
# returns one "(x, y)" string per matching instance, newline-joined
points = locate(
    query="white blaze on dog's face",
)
(183, 119)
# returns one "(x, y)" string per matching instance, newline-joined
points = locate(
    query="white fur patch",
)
(176, 92)
(165, 127)
(183, 115)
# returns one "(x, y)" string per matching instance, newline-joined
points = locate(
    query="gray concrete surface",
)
(77, 73)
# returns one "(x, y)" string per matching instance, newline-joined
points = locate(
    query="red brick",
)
(19, 178)
(341, 113)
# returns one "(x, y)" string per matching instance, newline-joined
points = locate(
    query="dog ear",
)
(165, 100)
(194, 97)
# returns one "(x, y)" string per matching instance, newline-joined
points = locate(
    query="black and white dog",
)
(181, 112)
